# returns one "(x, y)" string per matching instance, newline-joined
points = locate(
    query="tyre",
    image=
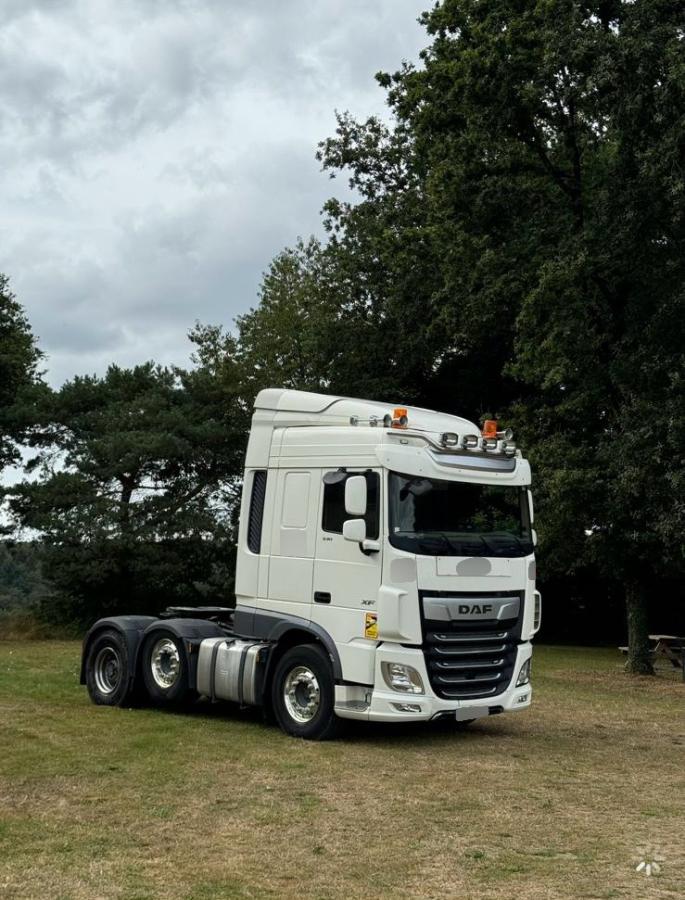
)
(107, 669)
(303, 694)
(166, 670)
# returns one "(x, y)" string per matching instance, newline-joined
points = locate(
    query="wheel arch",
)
(190, 631)
(286, 634)
(131, 628)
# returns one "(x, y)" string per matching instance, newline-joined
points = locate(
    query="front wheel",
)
(166, 670)
(303, 694)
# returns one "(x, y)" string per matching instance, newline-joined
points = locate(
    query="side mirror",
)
(354, 530)
(355, 496)
(533, 534)
(531, 511)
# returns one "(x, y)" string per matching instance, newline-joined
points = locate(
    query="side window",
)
(334, 502)
(254, 523)
(333, 505)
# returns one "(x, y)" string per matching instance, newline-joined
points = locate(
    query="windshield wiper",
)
(503, 544)
(429, 543)
(468, 547)
(459, 547)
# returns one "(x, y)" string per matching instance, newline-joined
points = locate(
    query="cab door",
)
(346, 580)
(293, 539)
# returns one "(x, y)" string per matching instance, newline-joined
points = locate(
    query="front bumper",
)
(381, 704)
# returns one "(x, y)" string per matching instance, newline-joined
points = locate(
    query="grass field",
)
(554, 802)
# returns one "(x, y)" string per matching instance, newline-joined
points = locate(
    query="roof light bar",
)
(489, 441)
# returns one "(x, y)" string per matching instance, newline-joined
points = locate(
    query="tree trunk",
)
(639, 659)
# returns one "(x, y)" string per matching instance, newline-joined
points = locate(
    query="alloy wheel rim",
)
(302, 694)
(107, 670)
(165, 663)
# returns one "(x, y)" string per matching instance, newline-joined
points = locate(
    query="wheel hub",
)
(165, 663)
(107, 670)
(301, 694)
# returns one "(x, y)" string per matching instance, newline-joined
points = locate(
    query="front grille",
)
(469, 660)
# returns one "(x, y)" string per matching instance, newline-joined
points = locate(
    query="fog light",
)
(524, 674)
(402, 678)
(407, 707)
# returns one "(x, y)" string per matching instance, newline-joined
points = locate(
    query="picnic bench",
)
(666, 646)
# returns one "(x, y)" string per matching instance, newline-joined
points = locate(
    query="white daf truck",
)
(385, 572)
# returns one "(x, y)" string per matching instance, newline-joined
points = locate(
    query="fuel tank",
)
(232, 669)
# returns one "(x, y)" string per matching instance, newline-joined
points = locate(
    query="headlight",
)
(402, 678)
(524, 674)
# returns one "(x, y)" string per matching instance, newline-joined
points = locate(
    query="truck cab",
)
(385, 572)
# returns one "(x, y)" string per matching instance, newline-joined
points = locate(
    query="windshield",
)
(455, 518)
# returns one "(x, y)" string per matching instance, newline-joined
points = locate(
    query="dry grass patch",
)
(550, 803)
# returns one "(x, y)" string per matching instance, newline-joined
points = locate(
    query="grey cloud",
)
(156, 154)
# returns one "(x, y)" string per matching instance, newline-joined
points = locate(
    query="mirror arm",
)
(368, 547)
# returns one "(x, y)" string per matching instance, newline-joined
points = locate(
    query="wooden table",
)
(668, 646)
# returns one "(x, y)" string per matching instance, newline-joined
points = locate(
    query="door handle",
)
(322, 597)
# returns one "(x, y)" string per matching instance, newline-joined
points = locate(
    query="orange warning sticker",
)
(371, 626)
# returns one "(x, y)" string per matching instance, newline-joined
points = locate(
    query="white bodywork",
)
(297, 438)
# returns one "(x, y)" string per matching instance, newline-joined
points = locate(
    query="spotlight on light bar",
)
(509, 448)
(470, 442)
(449, 439)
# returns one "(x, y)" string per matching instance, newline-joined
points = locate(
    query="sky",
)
(156, 154)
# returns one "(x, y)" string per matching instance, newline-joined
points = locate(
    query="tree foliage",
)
(292, 330)
(19, 360)
(136, 489)
(23, 587)
(515, 246)
(518, 246)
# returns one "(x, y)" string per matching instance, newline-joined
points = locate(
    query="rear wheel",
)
(107, 669)
(303, 694)
(166, 671)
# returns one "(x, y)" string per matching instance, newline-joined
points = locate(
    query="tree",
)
(288, 339)
(136, 490)
(19, 360)
(519, 236)
(580, 106)
(22, 585)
